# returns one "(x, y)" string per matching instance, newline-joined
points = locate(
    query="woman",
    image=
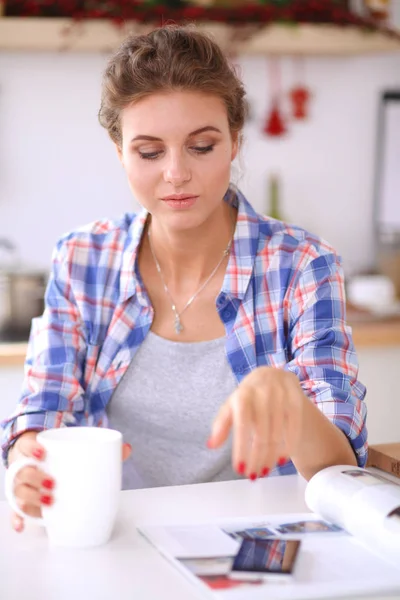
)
(196, 318)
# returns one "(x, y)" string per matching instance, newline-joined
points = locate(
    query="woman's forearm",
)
(321, 444)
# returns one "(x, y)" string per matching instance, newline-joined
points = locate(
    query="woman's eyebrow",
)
(151, 138)
(203, 129)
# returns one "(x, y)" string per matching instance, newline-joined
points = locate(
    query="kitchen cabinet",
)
(379, 369)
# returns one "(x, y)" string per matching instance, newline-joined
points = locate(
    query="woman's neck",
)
(192, 255)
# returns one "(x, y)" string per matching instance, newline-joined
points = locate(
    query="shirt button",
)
(221, 299)
(227, 314)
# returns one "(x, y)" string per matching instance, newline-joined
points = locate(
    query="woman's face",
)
(178, 144)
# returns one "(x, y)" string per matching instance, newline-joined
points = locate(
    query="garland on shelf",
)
(261, 12)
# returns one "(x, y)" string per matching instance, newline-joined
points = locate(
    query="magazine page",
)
(328, 562)
(364, 503)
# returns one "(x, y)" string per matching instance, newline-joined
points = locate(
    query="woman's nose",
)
(177, 171)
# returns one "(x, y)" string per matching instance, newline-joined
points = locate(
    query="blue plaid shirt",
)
(282, 304)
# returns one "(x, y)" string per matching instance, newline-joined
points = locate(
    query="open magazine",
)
(349, 543)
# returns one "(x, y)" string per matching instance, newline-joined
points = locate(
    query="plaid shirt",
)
(282, 304)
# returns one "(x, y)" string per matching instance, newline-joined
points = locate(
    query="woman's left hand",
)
(265, 413)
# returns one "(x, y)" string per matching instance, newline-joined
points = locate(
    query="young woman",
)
(212, 337)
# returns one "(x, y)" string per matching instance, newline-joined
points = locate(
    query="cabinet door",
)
(379, 371)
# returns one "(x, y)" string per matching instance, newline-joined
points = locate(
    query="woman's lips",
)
(180, 202)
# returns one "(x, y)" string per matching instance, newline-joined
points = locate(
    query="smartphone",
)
(272, 559)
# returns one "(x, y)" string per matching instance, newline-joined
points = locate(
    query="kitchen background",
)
(58, 169)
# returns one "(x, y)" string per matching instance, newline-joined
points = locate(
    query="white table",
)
(129, 567)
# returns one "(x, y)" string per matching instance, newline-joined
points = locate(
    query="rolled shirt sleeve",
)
(322, 351)
(52, 393)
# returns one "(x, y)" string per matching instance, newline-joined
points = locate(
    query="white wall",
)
(59, 170)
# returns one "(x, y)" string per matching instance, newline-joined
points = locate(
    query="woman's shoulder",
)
(99, 236)
(101, 228)
(287, 238)
(281, 238)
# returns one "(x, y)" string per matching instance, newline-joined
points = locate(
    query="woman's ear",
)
(235, 146)
(119, 153)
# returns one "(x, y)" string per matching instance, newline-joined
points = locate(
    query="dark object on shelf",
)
(13, 337)
(21, 300)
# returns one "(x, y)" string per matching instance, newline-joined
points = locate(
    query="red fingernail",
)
(264, 472)
(209, 443)
(48, 483)
(253, 476)
(241, 469)
(38, 453)
(45, 500)
(282, 461)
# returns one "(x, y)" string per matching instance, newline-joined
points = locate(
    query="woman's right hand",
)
(32, 485)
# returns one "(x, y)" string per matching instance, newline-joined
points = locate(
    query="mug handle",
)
(11, 473)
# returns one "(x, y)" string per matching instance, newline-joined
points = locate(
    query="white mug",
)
(86, 465)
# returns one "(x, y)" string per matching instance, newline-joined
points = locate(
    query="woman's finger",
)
(35, 478)
(126, 451)
(242, 418)
(221, 426)
(277, 418)
(17, 522)
(31, 498)
(283, 453)
(262, 436)
(28, 446)
(30, 509)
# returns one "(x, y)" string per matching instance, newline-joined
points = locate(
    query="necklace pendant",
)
(178, 324)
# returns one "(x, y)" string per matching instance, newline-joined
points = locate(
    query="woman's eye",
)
(157, 153)
(203, 149)
(149, 155)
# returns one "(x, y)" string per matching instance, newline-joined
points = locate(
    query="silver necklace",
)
(177, 315)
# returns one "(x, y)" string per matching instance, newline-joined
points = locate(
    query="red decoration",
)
(275, 125)
(300, 96)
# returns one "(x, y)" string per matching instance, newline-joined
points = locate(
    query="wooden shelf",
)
(376, 333)
(12, 354)
(61, 34)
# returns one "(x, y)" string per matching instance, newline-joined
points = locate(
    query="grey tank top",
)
(165, 405)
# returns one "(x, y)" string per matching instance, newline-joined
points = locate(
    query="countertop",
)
(366, 334)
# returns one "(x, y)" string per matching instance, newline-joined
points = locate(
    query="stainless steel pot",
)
(21, 300)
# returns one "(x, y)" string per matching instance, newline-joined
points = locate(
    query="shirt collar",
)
(241, 260)
(129, 284)
(244, 248)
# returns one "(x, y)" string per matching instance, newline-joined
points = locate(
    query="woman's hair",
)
(170, 58)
